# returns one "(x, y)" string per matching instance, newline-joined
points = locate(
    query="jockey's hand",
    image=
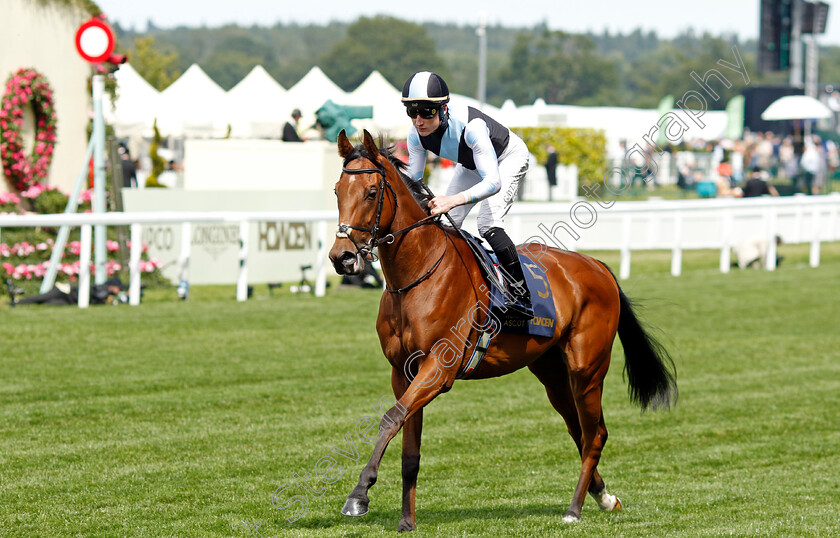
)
(441, 204)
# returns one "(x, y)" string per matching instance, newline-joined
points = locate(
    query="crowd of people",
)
(804, 167)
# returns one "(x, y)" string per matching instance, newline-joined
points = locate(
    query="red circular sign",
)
(95, 41)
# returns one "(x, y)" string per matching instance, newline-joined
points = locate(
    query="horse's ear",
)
(344, 145)
(370, 146)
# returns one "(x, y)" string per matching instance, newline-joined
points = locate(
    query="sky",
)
(666, 17)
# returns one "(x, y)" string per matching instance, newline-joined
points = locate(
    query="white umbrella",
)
(796, 107)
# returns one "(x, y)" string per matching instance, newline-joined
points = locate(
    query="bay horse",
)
(435, 290)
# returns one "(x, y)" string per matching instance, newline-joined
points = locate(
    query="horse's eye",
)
(371, 194)
(335, 191)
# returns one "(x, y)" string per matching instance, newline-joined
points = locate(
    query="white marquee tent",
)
(256, 106)
(195, 106)
(136, 104)
(388, 112)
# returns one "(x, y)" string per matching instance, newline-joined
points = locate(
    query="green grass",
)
(182, 419)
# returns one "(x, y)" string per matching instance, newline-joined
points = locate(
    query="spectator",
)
(64, 294)
(753, 253)
(787, 159)
(551, 169)
(290, 133)
(129, 168)
(811, 166)
(757, 185)
(169, 177)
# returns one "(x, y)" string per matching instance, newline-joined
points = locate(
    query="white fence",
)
(592, 225)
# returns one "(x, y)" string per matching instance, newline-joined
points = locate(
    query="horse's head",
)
(366, 204)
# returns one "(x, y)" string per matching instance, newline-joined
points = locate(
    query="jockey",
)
(491, 162)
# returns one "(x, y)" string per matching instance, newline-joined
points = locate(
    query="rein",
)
(366, 249)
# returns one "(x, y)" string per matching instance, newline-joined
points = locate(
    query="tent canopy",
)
(796, 107)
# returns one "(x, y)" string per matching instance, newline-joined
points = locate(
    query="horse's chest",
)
(397, 337)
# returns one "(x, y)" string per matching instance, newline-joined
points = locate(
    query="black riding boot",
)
(509, 260)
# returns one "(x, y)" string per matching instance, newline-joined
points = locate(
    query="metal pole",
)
(99, 233)
(64, 231)
(482, 59)
(796, 43)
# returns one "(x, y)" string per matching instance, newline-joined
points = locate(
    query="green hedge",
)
(587, 148)
(88, 6)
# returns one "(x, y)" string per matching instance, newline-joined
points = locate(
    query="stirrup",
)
(519, 310)
(518, 300)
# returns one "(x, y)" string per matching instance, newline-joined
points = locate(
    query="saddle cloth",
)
(545, 318)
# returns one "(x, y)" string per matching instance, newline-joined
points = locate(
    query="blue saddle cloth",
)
(545, 317)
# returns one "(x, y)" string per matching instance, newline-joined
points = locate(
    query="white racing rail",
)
(676, 225)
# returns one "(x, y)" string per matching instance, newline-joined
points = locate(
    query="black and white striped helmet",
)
(425, 87)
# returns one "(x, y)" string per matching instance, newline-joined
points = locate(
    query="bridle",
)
(374, 241)
(366, 249)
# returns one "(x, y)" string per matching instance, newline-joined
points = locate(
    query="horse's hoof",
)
(571, 518)
(406, 526)
(355, 507)
(607, 502)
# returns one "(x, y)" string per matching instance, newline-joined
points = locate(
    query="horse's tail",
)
(649, 368)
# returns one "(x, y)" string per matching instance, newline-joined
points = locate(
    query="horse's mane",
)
(400, 166)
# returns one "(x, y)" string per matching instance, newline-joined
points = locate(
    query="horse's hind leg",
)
(552, 371)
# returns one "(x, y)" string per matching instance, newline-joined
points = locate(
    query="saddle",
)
(545, 317)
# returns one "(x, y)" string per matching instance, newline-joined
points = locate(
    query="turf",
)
(183, 418)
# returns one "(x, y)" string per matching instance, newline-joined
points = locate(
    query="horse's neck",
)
(415, 251)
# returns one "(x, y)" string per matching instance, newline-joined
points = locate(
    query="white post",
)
(726, 242)
(814, 260)
(676, 251)
(242, 279)
(482, 59)
(136, 234)
(321, 261)
(624, 269)
(184, 261)
(770, 262)
(84, 268)
(100, 254)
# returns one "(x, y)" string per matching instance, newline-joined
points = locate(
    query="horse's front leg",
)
(428, 383)
(410, 468)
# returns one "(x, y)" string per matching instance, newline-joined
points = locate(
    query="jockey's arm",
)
(416, 156)
(477, 137)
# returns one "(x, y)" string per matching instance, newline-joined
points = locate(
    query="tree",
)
(158, 68)
(560, 68)
(394, 47)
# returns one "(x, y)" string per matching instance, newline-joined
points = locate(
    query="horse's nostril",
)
(347, 257)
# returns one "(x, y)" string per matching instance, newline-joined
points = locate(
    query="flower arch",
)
(27, 86)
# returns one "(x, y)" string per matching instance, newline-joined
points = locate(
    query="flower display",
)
(27, 87)
(27, 268)
(9, 202)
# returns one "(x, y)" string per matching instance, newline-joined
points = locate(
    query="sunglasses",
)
(427, 112)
